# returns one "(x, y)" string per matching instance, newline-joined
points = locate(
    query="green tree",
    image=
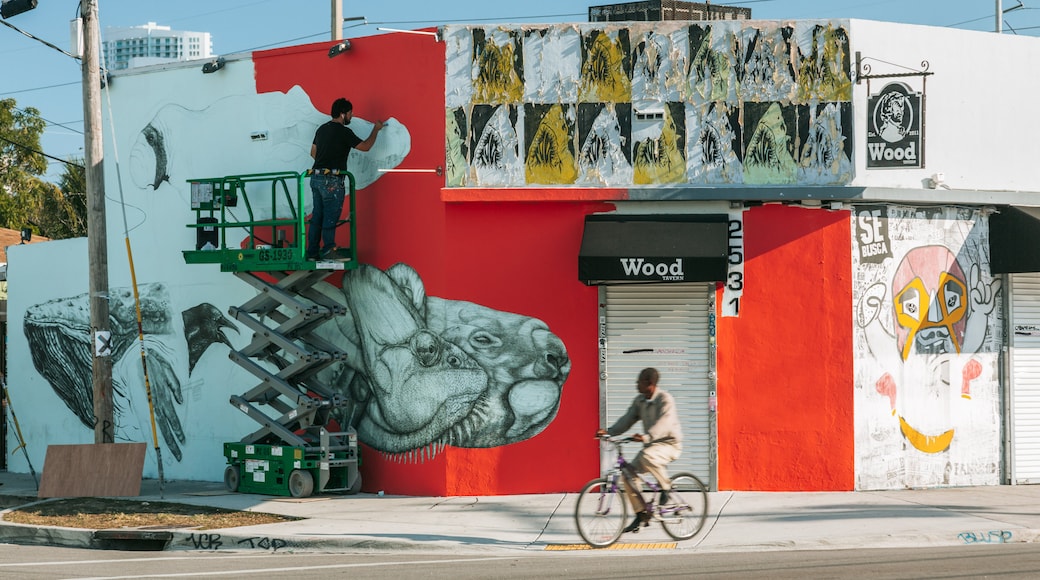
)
(55, 212)
(20, 132)
(62, 210)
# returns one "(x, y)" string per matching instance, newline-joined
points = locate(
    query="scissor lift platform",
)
(296, 451)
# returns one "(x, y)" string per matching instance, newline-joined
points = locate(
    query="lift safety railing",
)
(272, 234)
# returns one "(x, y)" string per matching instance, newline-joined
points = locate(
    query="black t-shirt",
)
(333, 142)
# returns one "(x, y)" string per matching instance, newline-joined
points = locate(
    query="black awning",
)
(653, 248)
(1014, 240)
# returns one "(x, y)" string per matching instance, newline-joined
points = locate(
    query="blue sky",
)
(41, 77)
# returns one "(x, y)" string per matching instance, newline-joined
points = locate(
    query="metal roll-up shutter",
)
(668, 327)
(1025, 377)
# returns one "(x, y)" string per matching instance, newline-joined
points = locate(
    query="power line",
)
(41, 88)
(498, 19)
(55, 123)
(36, 38)
(38, 152)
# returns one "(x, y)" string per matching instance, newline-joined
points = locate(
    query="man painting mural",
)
(330, 149)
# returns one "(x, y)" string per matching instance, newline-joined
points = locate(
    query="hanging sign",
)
(894, 128)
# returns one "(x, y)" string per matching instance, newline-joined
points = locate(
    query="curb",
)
(45, 535)
(198, 540)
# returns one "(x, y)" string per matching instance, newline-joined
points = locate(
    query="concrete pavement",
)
(737, 521)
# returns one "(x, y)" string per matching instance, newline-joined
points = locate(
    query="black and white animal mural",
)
(421, 372)
(425, 372)
(61, 343)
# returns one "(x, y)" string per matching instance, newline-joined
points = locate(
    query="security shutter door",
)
(1025, 377)
(665, 326)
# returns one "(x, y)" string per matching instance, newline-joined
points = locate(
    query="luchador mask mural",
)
(927, 369)
(931, 302)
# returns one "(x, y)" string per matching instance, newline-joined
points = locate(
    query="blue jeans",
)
(327, 193)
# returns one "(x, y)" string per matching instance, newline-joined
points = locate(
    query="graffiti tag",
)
(273, 544)
(990, 537)
(205, 541)
(215, 542)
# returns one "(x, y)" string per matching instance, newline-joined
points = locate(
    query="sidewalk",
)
(737, 521)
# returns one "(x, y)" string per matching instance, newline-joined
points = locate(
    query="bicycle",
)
(602, 508)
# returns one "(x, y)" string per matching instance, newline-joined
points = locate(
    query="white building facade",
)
(153, 44)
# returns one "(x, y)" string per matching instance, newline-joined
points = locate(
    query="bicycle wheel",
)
(600, 513)
(687, 508)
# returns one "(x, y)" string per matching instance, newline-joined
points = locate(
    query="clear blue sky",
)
(41, 77)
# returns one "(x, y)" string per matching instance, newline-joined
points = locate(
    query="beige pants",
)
(653, 459)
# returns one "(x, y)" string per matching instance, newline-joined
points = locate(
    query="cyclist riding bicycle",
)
(662, 442)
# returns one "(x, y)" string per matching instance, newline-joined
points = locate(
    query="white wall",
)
(980, 126)
(207, 120)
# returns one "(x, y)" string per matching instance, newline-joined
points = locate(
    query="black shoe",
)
(664, 498)
(336, 254)
(642, 520)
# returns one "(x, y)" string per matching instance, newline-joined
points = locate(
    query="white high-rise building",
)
(152, 44)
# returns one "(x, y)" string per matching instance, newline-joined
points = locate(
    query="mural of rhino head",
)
(432, 372)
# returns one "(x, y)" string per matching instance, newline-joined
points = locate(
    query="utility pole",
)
(97, 243)
(337, 19)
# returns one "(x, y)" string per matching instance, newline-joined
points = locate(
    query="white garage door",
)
(1025, 378)
(668, 327)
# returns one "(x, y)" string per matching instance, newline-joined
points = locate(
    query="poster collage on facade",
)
(721, 103)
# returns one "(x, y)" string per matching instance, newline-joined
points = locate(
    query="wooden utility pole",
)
(337, 19)
(97, 244)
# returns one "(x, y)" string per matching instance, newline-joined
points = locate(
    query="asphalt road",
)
(998, 560)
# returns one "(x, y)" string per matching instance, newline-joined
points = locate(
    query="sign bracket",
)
(863, 71)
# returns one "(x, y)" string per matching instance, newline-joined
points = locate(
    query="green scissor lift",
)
(293, 452)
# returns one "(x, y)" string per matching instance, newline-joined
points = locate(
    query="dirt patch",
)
(103, 513)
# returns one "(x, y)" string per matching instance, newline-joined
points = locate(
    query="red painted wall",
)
(785, 365)
(785, 389)
(515, 257)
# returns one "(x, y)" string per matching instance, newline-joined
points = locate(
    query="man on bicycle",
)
(662, 442)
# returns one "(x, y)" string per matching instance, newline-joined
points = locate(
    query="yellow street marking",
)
(617, 546)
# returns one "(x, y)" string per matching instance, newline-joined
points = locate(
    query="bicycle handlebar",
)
(615, 440)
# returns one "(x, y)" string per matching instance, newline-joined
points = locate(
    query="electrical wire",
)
(49, 122)
(38, 152)
(39, 88)
(36, 38)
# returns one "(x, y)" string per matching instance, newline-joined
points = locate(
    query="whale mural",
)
(60, 340)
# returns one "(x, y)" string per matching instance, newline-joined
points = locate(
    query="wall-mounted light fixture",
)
(364, 21)
(15, 7)
(213, 65)
(937, 181)
(339, 48)
(26, 234)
